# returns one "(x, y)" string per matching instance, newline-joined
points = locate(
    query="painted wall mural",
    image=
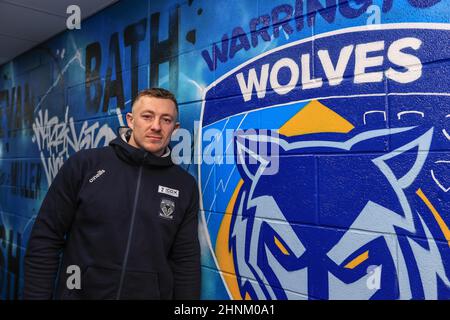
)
(318, 131)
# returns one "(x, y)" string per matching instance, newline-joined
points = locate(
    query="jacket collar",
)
(137, 156)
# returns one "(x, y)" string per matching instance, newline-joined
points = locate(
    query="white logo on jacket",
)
(168, 191)
(99, 173)
(167, 208)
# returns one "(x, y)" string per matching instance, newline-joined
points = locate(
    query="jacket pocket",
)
(140, 286)
(101, 283)
(96, 284)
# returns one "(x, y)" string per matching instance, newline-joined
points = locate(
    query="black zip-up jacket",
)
(127, 219)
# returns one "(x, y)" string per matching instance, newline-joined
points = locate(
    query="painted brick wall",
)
(318, 131)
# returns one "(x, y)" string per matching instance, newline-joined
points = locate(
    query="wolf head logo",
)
(319, 226)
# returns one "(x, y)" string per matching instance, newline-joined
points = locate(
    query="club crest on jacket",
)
(167, 208)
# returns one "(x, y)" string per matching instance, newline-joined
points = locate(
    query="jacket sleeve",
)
(47, 237)
(185, 254)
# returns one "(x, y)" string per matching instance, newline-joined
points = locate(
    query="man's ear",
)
(130, 119)
(176, 127)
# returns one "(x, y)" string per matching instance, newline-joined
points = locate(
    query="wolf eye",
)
(280, 246)
(358, 260)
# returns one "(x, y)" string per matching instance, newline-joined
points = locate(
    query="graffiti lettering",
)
(291, 15)
(26, 179)
(93, 82)
(3, 178)
(423, 3)
(113, 88)
(133, 35)
(10, 261)
(18, 109)
(166, 50)
(54, 137)
(4, 101)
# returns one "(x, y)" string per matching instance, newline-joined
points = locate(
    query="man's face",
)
(153, 121)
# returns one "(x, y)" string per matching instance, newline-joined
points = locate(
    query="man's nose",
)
(156, 125)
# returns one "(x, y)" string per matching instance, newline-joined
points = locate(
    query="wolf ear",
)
(401, 166)
(256, 153)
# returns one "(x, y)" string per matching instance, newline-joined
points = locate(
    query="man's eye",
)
(147, 117)
(167, 121)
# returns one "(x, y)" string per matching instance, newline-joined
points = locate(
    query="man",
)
(124, 216)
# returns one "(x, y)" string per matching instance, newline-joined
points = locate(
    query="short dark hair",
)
(157, 93)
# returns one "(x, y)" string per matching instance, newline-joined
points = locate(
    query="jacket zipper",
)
(130, 233)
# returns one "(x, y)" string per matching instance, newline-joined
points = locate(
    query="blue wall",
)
(352, 97)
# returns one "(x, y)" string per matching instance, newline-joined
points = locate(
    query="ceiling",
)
(26, 23)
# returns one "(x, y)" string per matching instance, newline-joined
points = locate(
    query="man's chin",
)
(156, 151)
